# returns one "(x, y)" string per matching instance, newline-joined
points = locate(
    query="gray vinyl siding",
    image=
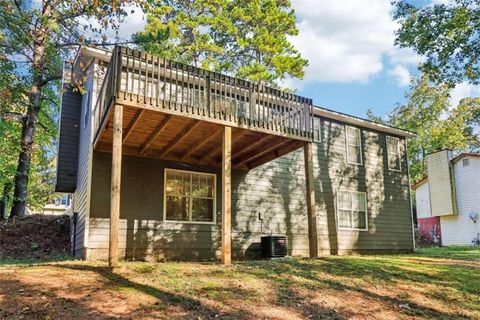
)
(67, 159)
(81, 196)
(276, 189)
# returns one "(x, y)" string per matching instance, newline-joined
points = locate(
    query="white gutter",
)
(342, 117)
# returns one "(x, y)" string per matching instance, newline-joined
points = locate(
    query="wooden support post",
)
(227, 196)
(311, 207)
(115, 186)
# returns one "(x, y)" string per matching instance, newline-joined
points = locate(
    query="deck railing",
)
(152, 81)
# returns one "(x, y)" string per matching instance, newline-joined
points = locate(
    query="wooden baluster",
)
(207, 93)
(157, 85)
(184, 69)
(139, 71)
(163, 84)
(170, 85)
(127, 56)
(233, 99)
(214, 96)
(188, 88)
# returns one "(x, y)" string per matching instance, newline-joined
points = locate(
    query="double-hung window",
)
(189, 196)
(393, 153)
(352, 210)
(316, 129)
(354, 145)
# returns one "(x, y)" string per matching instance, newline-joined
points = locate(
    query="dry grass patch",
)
(425, 285)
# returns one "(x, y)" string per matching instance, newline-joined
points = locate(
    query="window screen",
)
(354, 145)
(393, 153)
(189, 196)
(352, 210)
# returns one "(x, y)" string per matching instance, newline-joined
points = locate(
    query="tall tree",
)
(35, 36)
(245, 38)
(448, 35)
(438, 124)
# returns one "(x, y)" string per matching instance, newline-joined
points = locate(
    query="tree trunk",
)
(20, 193)
(5, 200)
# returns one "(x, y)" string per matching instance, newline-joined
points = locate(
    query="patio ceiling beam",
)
(155, 134)
(280, 151)
(182, 135)
(249, 157)
(235, 139)
(202, 141)
(252, 146)
(132, 124)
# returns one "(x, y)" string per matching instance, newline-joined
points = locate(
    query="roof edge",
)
(464, 155)
(343, 117)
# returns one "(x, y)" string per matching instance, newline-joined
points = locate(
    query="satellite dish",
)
(473, 216)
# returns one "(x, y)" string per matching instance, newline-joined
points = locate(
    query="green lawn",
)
(436, 283)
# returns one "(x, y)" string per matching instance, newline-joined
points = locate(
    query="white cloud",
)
(401, 75)
(463, 90)
(343, 40)
(348, 41)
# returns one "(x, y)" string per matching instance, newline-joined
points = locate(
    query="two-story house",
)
(448, 199)
(168, 161)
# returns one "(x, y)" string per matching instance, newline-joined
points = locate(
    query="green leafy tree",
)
(244, 38)
(35, 37)
(448, 35)
(438, 125)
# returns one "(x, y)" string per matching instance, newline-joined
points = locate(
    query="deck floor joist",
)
(154, 134)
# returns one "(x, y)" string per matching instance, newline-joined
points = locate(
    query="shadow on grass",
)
(196, 309)
(361, 269)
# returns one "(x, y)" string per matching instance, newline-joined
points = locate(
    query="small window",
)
(352, 210)
(189, 196)
(465, 163)
(354, 145)
(316, 130)
(393, 153)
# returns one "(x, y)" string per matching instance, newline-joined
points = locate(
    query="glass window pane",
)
(178, 183)
(353, 136)
(360, 222)
(344, 219)
(344, 201)
(358, 201)
(354, 154)
(202, 210)
(177, 208)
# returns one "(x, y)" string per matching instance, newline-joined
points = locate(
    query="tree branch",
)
(12, 116)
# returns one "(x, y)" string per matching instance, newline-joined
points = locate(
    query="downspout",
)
(410, 194)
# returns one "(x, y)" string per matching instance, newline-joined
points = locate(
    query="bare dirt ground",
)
(432, 284)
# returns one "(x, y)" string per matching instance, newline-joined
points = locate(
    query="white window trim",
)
(366, 211)
(399, 154)
(317, 120)
(361, 143)
(188, 221)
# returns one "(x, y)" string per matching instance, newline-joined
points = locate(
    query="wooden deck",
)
(151, 107)
(177, 112)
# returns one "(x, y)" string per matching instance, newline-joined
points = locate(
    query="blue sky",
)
(353, 63)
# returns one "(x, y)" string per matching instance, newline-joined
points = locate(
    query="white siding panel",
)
(422, 197)
(460, 230)
(439, 180)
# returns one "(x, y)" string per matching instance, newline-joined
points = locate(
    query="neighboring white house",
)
(60, 206)
(449, 198)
